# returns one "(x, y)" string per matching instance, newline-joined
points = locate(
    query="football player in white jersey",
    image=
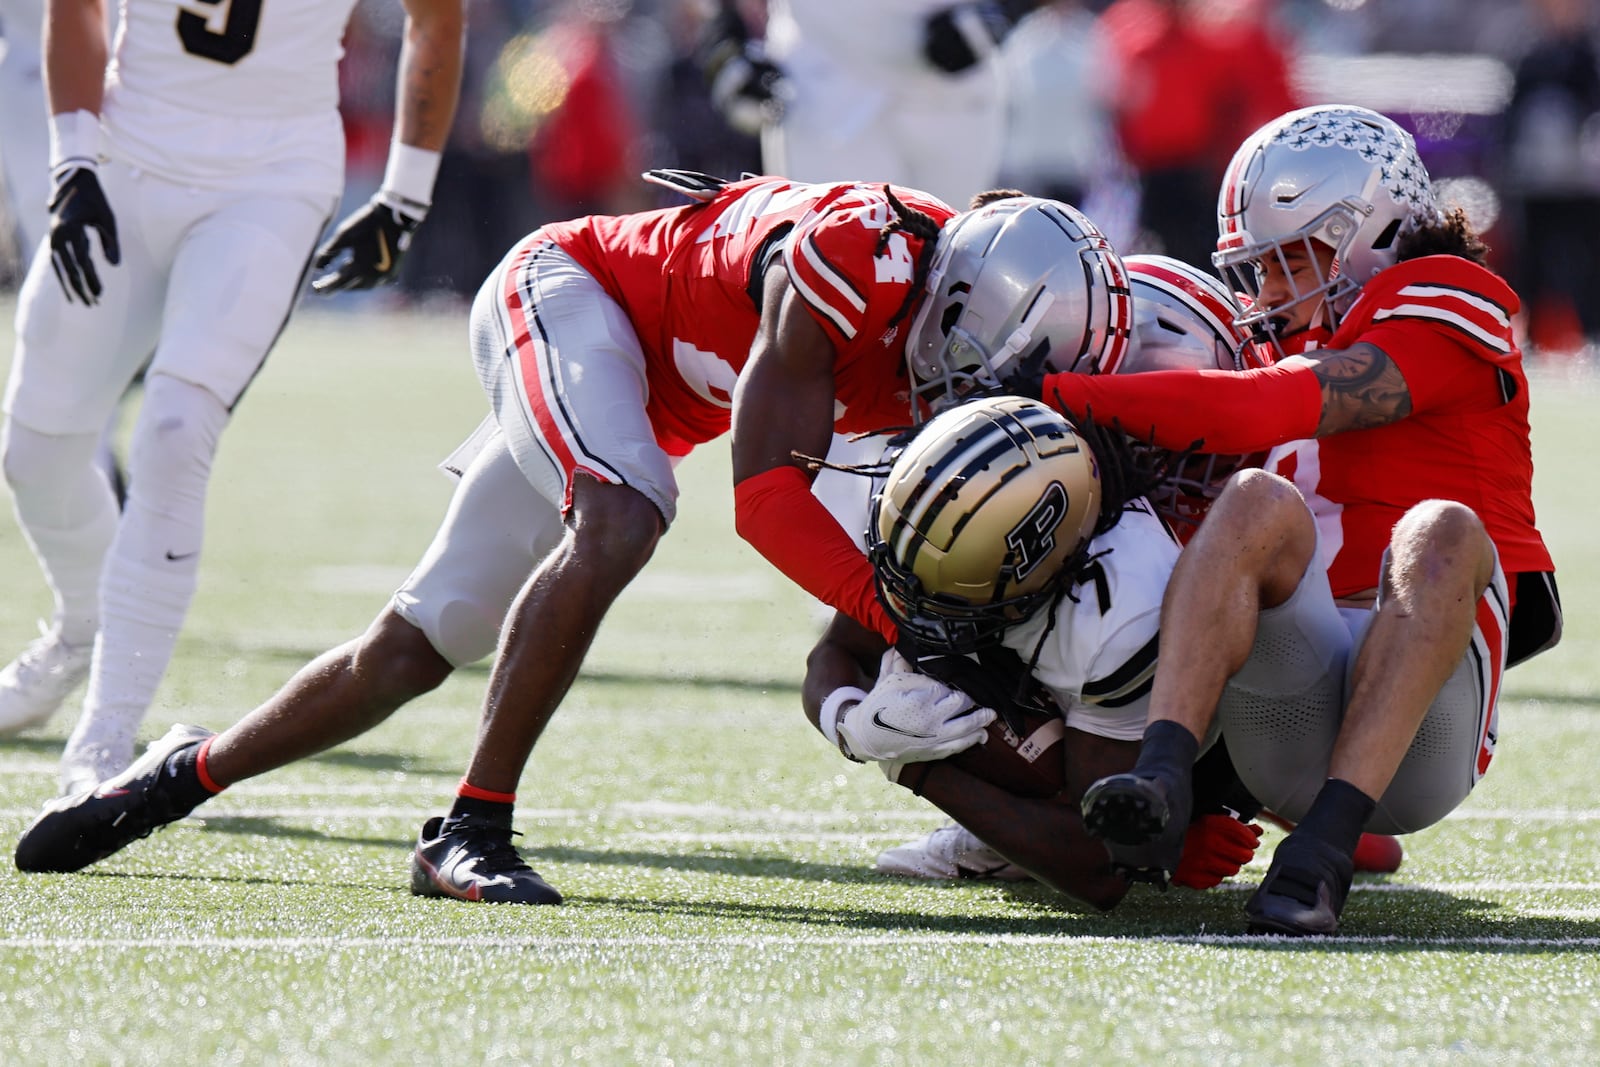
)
(193, 169)
(1013, 546)
(911, 90)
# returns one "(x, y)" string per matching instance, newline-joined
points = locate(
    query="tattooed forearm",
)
(1361, 388)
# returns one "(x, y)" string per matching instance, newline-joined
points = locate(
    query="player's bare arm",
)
(429, 80)
(847, 654)
(75, 51)
(783, 403)
(1362, 388)
(1044, 837)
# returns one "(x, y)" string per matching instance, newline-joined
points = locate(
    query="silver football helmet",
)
(980, 518)
(1183, 317)
(1341, 175)
(1017, 278)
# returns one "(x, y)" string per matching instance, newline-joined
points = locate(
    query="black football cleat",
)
(73, 832)
(1304, 890)
(474, 859)
(1142, 823)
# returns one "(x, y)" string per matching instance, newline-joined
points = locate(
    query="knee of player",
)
(616, 524)
(1256, 502)
(400, 659)
(1438, 537)
(16, 461)
(180, 424)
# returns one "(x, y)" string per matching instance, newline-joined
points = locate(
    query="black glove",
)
(78, 205)
(960, 36)
(1027, 378)
(748, 91)
(746, 87)
(376, 237)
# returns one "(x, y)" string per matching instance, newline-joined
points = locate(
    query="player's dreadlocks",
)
(919, 225)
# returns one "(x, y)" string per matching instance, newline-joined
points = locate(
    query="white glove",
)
(911, 718)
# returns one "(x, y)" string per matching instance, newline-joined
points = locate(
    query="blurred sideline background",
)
(566, 101)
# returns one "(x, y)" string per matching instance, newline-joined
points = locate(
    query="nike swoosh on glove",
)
(1215, 847)
(373, 239)
(911, 718)
(77, 206)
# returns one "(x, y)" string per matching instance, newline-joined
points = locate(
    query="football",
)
(1030, 764)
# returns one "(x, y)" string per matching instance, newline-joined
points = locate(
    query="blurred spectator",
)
(1060, 142)
(480, 201)
(1552, 139)
(1198, 77)
(24, 147)
(686, 129)
(583, 149)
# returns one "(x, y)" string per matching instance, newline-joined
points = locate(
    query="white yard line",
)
(888, 941)
(423, 802)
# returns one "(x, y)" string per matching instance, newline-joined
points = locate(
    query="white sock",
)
(143, 611)
(153, 567)
(69, 516)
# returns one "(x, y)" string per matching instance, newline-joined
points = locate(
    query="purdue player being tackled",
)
(1021, 561)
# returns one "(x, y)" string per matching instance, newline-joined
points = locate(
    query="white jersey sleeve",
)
(1097, 656)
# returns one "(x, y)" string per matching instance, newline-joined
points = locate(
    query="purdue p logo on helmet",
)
(980, 518)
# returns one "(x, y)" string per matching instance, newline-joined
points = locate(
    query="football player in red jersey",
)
(1343, 617)
(609, 347)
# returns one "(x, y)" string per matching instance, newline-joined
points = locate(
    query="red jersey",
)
(1446, 323)
(688, 279)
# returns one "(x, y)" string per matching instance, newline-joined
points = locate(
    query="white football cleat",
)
(37, 682)
(950, 852)
(92, 757)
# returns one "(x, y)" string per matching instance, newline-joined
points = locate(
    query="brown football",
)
(1031, 765)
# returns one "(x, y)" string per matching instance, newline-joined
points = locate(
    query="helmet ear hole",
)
(1386, 238)
(952, 315)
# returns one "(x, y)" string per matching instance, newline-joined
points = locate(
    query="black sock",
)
(1168, 752)
(182, 780)
(494, 812)
(1338, 814)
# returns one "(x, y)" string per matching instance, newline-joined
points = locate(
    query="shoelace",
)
(493, 843)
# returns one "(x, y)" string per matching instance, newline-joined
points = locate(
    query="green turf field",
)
(714, 852)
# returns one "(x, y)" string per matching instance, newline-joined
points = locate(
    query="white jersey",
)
(879, 39)
(239, 94)
(1099, 657)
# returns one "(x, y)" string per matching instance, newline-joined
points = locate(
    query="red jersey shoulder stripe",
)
(1471, 313)
(824, 287)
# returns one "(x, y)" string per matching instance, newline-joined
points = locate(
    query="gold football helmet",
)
(979, 519)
